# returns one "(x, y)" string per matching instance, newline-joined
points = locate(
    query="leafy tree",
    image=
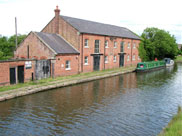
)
(7, 45)
(157, 43)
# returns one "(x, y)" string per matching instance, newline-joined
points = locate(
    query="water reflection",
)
(130, 104)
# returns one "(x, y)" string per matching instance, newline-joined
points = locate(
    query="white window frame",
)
(68, 65)
(129, 45)
(138, 57)
(133, 58)
(106, 44)
(128, 58)
(134, 45)
(86, 60)
(106, 59)
(115, 44)
(86, 43)
(115, 58)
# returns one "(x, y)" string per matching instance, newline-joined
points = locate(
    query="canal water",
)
(135, 104)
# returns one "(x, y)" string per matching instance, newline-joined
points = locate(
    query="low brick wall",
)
(5, 70)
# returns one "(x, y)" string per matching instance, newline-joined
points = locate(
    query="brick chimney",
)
(57, 15)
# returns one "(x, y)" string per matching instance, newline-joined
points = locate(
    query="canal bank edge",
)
(174, 126)
(6, 95)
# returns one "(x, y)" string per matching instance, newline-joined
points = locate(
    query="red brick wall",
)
(110, 52)
(37, 49)
(60, 65)
(65, 30)
(5, 71)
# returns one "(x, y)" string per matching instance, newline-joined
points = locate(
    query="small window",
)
(133, 57)
(128, 58)
(134, 45)
(86, 43)
(86, 60)
(106, 59)
(128, 44)
(106, 44)
(138, 57)
(115, 44)
(68, 65)
(114, 58)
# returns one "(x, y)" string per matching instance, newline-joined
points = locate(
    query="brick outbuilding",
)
(78, 45)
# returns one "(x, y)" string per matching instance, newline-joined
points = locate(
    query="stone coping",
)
(6, 95)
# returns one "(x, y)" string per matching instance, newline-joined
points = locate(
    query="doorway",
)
(121, 60)
(96, 62)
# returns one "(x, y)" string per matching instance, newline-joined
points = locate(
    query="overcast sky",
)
(136, 15)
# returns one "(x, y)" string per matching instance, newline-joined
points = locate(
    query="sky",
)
(136, 15)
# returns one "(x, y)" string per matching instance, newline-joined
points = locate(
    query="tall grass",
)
(174, 128)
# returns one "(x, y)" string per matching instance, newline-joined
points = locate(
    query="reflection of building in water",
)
(64, 102)
(129, 80)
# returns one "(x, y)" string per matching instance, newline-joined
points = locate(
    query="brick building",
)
(78, 45)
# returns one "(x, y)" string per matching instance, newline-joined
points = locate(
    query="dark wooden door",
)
(97, 62)
(12, 75)
(20, 74)
(121, 60)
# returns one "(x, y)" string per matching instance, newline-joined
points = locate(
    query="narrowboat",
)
(149, 66)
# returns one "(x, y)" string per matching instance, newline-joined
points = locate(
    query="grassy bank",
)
(174, 128)
(51, 81)
(178, 59)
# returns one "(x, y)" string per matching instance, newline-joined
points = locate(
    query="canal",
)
(134, 104)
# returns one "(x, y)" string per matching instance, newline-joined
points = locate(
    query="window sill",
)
(106, 62)
(114, 61)
(68, 69)
(86, 64)
(106, 47)
(86, 47)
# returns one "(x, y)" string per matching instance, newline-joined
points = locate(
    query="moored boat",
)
(169, 62)
(149, 66)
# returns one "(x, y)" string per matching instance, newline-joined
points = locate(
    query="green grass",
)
(49, 81)
(174, 128)
(178, 58)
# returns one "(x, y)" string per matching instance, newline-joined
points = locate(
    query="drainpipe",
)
(82, 55)
(104, 51)
(131, 52)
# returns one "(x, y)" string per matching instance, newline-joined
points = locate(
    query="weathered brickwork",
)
(60, 65)
(37, 49)
(109, 51)
(65, 30)
(5, 71)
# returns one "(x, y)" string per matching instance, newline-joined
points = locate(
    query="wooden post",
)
(16, 42)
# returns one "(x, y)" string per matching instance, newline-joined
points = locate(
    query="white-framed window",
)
(138, 57)
(106, 59)
(115, 44)
(106, 44)
(68, 67)
(97, 45)
(128, 58)
(133, 57)
(86, 43)
(128, 44)
(115, 58)
(86, 60)
(134, 45)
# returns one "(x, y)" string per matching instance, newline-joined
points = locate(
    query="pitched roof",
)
(90, 27)
(57, 43)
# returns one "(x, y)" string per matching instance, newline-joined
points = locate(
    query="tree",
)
(7, 45)
(157, 43)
